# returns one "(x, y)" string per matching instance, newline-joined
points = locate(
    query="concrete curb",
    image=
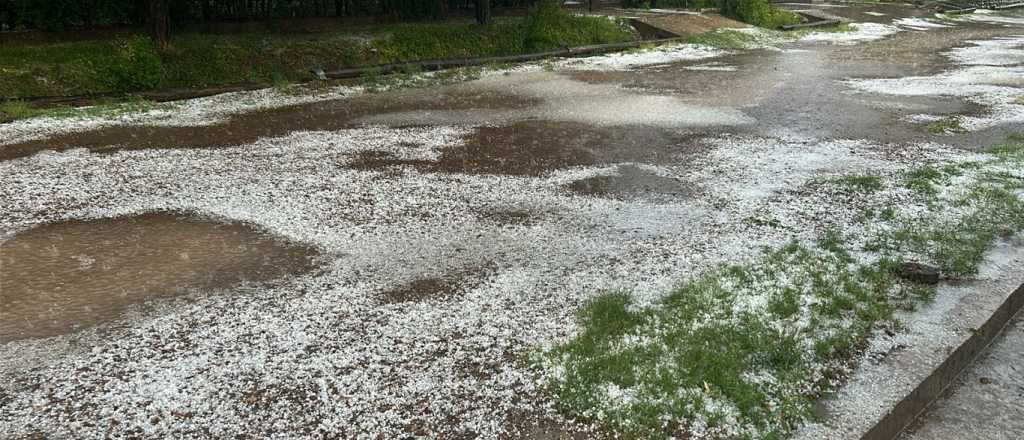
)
(907, 410)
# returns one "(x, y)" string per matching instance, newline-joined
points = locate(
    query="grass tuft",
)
(948, 125)
(862, 183)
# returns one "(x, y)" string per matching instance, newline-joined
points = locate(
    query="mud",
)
(509, 216)
(62, 277)
(535, 147)
(249, 127)
(433, 287)
(633, 182)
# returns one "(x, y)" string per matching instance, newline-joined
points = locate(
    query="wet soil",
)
(632, 182)
(62, 277)
(793, 92)
(535, 147)
(249, 127)
(800, 91)
(432, 287)
(509, 216)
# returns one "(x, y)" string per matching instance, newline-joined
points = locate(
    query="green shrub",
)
(758, 13)
(136, 65)
(549, 27)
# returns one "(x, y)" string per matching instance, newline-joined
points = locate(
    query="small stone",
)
(919, 273)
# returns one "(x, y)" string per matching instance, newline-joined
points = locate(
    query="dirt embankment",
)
(683, 24)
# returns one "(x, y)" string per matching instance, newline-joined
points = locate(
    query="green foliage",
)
(723, 39)
(686, 4)
(549, 27)
(737, 348)
(949, 125)
(203, 60)
(744, 350)
(15, 110)
(758, 12)
(408, 42)
(106, 108)
(136, 65)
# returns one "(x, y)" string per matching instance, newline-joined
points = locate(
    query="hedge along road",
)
(429, 241)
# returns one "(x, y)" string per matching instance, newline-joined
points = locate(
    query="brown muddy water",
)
(62, 277)
(535, 147)
(246, 128)
(633, 182)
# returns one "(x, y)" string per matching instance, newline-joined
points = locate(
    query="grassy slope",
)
(743, 351)
(199, 60)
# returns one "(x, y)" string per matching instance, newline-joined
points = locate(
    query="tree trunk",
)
(483, 11)
(158, 18)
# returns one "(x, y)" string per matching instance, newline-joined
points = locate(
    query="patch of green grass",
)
(15, 110)
(758, 13)
(106, 108)
(1011, 148)
(744, 350)
(948, 125)
(724, 39)
(204, 60)
(736, 349)
(923, 180)
(802, 32)
(375, 82)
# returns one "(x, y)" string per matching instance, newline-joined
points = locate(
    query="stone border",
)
(906, 411)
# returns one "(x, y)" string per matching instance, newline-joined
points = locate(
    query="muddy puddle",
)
(249, 127)
(433, 287)
(62, 277)
(536, 147)
(632, 182)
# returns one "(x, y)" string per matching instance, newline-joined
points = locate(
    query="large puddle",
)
(62, 277)
(536, 147)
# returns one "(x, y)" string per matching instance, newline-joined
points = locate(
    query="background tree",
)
(158, 19)
(483, 11)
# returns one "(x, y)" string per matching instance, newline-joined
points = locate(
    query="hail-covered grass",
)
(947, 125)
(742, 351)
(857, 182)
(970, 205)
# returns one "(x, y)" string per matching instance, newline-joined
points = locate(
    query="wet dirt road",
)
(795, 91)
(454, 228)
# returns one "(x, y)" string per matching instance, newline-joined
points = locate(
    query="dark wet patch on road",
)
(509, 216)
(422, 289)
(436, 287)
(531, 148)
(249, 127)
(632, 182)
(62, 277)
